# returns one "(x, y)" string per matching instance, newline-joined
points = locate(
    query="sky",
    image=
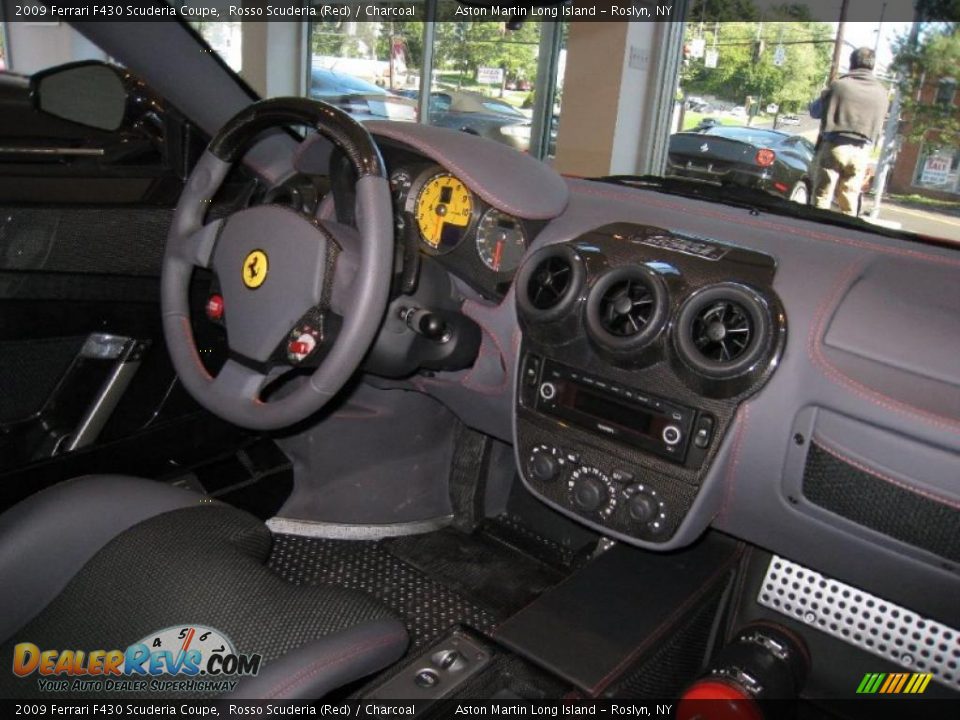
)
(865, 34)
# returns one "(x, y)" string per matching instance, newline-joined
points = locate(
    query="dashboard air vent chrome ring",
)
(626, 308)
(549, 283)
(723, 331)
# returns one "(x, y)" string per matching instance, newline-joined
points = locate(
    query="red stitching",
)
(730, 477)
(817, 330)
(394, 133)
(829, 447)
(315, 667)
(466, 381)
(768, 225)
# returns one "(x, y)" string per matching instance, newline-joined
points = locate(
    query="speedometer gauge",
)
(500, 241)
(443, 210)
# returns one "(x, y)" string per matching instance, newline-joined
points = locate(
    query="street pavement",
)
(917, 220)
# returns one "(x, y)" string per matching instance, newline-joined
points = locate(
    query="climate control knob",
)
(643, 508)
(544, 464)
(646, 508)
(591, 491)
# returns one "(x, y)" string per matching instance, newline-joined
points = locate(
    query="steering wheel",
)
(278, 270)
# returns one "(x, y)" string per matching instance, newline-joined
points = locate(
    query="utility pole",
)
(888, 154)
(838, 45)
(876, 44)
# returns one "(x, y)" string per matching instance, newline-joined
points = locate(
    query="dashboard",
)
(662, 365)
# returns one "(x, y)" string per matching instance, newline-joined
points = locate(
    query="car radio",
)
(615, 411)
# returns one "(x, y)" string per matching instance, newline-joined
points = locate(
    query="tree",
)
(925, 62)
(740, 72)
(467, 46)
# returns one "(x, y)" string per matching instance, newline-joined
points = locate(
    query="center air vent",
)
(626, 308)
(723, 331)
(549, 282)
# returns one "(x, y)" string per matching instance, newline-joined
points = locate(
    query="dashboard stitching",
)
(763, 224)
(817, 330)
(831, 448)
(466, 380)
(730, 477)
(433, 152)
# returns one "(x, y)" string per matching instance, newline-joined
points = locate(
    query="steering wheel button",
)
(301, 346)
(214, 307)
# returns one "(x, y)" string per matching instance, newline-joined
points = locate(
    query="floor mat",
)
(479, 567)
(426, 606)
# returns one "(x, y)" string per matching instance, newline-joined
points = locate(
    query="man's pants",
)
(839, 170)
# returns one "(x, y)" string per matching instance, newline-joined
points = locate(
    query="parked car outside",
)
(478, 114)
(362, 100)
(767, 160)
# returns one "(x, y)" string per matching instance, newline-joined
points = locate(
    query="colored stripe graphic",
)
(894, 684)
(901, 682)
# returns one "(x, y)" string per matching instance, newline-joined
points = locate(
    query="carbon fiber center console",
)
(638, 346)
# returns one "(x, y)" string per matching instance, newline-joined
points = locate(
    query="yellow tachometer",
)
(444, 209)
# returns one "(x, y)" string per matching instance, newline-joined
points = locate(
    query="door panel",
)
(81, 345)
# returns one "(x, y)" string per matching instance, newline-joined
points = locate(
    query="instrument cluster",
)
(480, 244)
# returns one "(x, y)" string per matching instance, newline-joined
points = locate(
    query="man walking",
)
(851, 113)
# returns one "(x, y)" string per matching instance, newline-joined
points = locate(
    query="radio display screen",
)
(630, 418)
(582, 400)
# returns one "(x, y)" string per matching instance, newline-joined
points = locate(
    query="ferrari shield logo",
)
(255, 267)
(704, 147)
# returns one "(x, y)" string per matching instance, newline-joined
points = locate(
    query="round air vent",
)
(626, 308)
(549, 282)
(723, 331)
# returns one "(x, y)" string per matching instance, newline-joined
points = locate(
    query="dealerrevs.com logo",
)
(188, 658)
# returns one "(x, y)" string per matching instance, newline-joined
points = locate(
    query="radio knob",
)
(671, 435)
(590, 491)
(548, 391)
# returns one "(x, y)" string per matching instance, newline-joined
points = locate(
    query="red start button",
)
(215, 307)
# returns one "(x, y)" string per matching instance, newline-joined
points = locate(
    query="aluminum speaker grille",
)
(861, 619)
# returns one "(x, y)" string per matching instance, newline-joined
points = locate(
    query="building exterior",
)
(930, 168)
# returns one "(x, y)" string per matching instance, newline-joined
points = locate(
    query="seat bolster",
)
(47, 538)
(314, 669)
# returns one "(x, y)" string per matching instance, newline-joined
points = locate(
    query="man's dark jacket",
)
(853, 107)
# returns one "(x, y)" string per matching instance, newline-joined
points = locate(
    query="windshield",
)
(849, 106)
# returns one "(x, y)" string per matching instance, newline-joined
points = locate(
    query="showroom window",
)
(484, 76)
(3, 46)
(226, 38)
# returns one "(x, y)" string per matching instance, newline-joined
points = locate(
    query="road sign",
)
(710, 58)
(779, 55)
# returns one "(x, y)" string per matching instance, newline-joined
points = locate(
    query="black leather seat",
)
(103, 561)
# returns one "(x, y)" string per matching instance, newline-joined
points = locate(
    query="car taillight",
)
(765, 157)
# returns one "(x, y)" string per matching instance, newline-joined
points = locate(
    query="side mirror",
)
(88, 93)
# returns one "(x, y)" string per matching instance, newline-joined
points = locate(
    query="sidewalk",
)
(933, 219)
